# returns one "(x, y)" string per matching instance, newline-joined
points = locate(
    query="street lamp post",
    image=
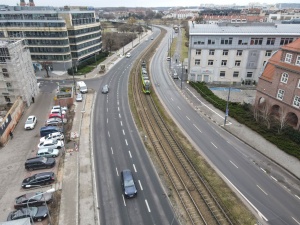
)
(227, 109)
(48, 191)
(181, 75)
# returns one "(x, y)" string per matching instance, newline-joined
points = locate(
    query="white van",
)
(82, 87)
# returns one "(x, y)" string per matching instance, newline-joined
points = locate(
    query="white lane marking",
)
(172, 99)
(259, 213)
(274, 178)
(202, 103)
(130, 154)
(262, 190)
(119, 115)
(108, 133)
(112, 151)
(134, 168)
(118, 108)
(197, 128)
(140, 185)
(117, 171)
(213, 145)
(124, 200)
(147, 205)
(263, 170)
(126, 142)
(297, 197)
(187, 118)
(178, 107)
(106, 120)
(106, 109)
(233, 164)
(123, 132)
(296, 220)
(121, 123)
(117, 102)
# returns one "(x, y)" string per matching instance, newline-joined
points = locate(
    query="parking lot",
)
(14, 154)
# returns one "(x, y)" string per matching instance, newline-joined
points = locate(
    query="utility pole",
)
(181, 75)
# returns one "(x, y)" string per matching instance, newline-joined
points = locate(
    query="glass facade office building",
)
(59, 38)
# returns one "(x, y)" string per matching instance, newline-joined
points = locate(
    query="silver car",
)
(79, 97)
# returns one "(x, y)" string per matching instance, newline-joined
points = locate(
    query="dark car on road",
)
(33, 199)
(35, 213)
(39, 163)
(128, 184)
(39, 179)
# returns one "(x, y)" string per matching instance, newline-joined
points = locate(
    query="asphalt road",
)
(231, 157)
(117, 146)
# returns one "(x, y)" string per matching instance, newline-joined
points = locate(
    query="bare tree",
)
(109, 40)
(46, 65)
(256, 113)
(282, 120)
(266, 112)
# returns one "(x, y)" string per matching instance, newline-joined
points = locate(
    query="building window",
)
(243, 42)
(225, 52)
(8, 85)
(288, 58)
(298, 60)
(235, 73)
(239, 52)
(268, 53)
(226, 41)
(224, 63)
(210, 62)
(249, 74)
(237, 63)
(222, 73)
(270, 41)
(7, 99)
(296, 101)
(285, 41)
(199, 42)
(198, 51)
(280, 94)
(211, 52)
(211, 41)
(256, 41)
(264, 63)
(284, 77)
(197, 62)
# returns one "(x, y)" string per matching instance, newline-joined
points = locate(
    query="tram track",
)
(195, 195)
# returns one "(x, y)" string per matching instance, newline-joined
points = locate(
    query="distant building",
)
(58, 38)
(17, 77)
(234, 52)
(278, 89)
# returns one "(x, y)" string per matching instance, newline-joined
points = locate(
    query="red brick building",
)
(278, 89)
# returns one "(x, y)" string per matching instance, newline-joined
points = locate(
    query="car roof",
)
(30, 117)
(48, 141)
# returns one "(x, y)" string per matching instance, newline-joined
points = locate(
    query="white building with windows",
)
(17, 77)
(234, 53)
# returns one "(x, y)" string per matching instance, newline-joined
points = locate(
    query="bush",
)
(288, 140)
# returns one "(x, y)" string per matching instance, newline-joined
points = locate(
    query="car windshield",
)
(128, 183)
(29, 122)
(44, 160)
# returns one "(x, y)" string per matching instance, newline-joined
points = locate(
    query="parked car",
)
(54, 121)
(30, 123)
(168, 58)
(48, 152)
(63, 108)
(152, 38)
(57, 111)
(36, 163)
(54, 136)
(105, 89)
(33, 199)
(39, 179)
(50, 129)
(35, 213)
(128, 55)
(56, 115)
(51, 143)
(175, 75)
(79, 97)
(128, 184)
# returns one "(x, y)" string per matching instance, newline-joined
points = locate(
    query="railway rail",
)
(197, 198)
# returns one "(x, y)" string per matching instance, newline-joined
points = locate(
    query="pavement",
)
(79, 200)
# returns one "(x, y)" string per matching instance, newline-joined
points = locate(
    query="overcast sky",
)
(138, 3)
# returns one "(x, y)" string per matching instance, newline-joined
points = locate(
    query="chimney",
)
(31, 3)
(22, 3)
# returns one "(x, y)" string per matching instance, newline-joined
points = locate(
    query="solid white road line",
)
(121, 123)
(297, 197)
(147, 205)
(124, 200)
(119, 109)
(134, 168)
(197, 128)
(213, 145)
(108, 133)
(106, 120)
(263, 170)
(130, 154)
(123, 132)
(117, 171)
(141, 187)
(296, 220)
(187, 118)
(126, 142)
(119, 115)
(112, 151)
(274, 178)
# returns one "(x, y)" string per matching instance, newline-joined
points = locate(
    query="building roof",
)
(294, 46)
(238, 29)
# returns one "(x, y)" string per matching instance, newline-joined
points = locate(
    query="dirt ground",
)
(236, 95)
